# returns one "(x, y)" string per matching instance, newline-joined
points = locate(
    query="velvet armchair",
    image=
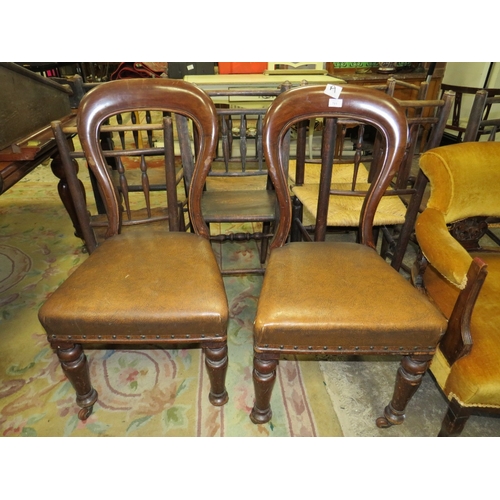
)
(460, 271)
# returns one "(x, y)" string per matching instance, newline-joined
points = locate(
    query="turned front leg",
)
(75, 367)
(216, 362)
(408, 380)
(264, 376)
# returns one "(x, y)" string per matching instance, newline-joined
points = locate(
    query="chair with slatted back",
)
(136, 153)
(462, 108)
(146, 282)
(237, 192)
(484, 118)
(331, 297)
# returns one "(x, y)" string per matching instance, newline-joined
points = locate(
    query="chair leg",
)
(297, 213)
(408, 380)
(264, 376)
(75, 367)
(264, 244)
(455, 419)
(216, 362)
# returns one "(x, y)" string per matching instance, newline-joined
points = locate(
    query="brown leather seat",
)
(334, 297)
(148, 284)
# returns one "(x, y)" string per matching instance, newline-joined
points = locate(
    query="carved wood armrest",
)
(457, 340)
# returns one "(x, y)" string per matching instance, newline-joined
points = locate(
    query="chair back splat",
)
(238, 200)
(151, 283)
(337, 297)
(373, 110)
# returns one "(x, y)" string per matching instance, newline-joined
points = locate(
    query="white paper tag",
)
(190, 67)
(335, 103)
(333, 90)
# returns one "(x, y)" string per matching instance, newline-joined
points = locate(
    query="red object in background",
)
(242, 67)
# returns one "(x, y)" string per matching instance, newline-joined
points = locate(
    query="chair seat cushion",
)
(229, 206)
(474, 380)
(148, 284)
(342, 172)
(335, 295)
(345, 210)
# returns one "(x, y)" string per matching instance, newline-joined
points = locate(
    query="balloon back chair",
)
(331, 297)
(460, 273)
(150, 284)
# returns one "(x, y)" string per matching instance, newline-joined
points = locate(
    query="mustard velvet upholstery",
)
(473, 380)
(444, 252)
(465, 182)
(464, 179)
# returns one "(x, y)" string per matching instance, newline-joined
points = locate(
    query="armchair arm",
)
(442, 251)
(457, 340)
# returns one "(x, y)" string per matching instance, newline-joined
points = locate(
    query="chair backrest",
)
(355, 104)
(463, 106)
(427, 122)
(464, 180)
(484, 119)
(181, 99)
(240, 150)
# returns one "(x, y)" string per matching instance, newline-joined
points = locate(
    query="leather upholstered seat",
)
(331, 297)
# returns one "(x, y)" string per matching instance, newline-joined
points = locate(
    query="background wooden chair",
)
(461, 275)
(462, 108)
(329, 297)
(145, 285)
(237, 188)
(484, 119)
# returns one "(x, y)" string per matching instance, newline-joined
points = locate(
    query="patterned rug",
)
(148, 392)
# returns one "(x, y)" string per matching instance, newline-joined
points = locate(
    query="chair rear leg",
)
(455, 419)
(216, 362)
(75, 366)
(266, 229)
(297, 214)
(264, 376)
(408, 380)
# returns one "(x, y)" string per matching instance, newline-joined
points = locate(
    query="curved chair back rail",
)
(175, 96)
(358, 104)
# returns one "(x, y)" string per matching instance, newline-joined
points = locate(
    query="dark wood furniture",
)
(480, 125)
(460, 117)
(28, 102)
(461, 275)
(414, 76)
(147, 285)
(328, 297)
(237, 188)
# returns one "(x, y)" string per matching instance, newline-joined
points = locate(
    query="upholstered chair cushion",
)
(473, 380)
(149, 293)
(345, 210)
(464, 179)
(447, 255)
(310, 292)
